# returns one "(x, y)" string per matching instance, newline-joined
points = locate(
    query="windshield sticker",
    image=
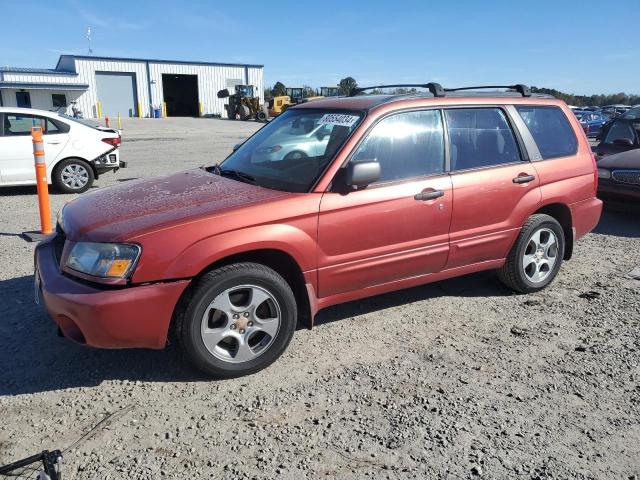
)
(338, 119)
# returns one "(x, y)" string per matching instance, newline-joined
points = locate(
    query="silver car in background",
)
(299, 138)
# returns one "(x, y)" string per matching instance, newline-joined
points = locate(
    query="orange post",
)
(41, 180)
(106, 121)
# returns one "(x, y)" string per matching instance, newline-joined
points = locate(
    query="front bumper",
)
(618, 192)
(135, 316)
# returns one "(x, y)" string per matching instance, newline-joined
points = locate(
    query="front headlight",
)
(104, 260)
(604, 173)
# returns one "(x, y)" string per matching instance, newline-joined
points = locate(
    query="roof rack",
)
(437, 90)
(520, 88)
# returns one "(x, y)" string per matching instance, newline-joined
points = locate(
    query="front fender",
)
(296, 242)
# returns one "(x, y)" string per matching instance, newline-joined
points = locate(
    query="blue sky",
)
(581, 47)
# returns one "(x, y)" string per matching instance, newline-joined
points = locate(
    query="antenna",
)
(88, 35)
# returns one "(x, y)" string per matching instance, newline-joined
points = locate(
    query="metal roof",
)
(153, 60)
(41, 71)
(44, 86)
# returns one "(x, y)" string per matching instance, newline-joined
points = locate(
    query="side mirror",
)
(363, 173)
(623, 142)
(236, 146)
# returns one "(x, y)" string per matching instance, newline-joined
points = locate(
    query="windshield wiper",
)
(227, 172)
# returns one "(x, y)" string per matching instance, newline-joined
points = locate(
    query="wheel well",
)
(281, 262)
(562, 214)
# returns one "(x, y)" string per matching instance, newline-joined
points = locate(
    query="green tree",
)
(279, 89)
(308, 91)
(346, 85)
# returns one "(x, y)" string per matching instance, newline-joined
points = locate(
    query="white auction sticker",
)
(338, 119)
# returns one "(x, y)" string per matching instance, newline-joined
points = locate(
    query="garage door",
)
(117, 93)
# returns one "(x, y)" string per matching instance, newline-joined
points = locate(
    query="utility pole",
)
(88, 35)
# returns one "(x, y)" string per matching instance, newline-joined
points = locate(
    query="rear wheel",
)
(261, 116)
(72, 176)
(231, 113)
(535, 259)
(237, 320)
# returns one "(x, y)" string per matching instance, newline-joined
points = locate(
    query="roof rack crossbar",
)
(435, 88)
(520, 88)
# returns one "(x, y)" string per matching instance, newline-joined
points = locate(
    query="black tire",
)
(244, 112)
(514, 274)
(193, 307)
(261, 116)
(231, 113)
(65, 183)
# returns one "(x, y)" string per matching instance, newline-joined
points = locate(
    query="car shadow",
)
(35, 359)
(482, 284)
(619, 221)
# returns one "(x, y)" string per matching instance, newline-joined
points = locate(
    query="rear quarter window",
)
(550, 129)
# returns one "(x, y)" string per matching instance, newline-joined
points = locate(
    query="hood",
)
(629, 159)
(122, 212)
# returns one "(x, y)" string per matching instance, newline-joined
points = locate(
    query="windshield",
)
(86, 123)
(292, 151)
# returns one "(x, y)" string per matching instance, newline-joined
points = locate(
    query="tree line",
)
(348, 83)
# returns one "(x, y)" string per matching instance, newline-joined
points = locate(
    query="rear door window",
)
(480, 137)
(550, 129)
(406, 145)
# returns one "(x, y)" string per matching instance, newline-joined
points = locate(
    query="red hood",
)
(124, 211)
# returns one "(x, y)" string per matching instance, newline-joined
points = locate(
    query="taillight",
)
(595, 172)
(115, 141)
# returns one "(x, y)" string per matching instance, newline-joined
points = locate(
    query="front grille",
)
(631, 177)
(58, 243)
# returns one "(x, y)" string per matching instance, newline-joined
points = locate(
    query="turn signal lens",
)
(118, 268)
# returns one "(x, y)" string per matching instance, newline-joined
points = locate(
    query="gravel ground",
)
(451, 380)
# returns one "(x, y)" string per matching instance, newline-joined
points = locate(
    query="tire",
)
(536, 256)
(231, 113)
(72, 176)
(261, 116)
(236, 320)
(244, 112)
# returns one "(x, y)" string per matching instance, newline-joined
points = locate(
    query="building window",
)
(59, 100)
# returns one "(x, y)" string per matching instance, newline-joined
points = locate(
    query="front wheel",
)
(72, 176)
(237, 320)
(535, 259)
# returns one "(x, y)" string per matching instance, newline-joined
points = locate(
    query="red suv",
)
(334, 200)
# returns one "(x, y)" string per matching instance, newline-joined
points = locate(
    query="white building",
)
(105, 86)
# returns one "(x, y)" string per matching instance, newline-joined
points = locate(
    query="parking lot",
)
(455, 379)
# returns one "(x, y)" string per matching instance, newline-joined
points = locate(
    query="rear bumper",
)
(585, 216)
(137, 316)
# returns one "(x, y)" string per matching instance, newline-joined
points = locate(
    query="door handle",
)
(422, 196)
(524, 179)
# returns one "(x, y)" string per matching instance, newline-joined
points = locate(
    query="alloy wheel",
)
(540, 255)
(241, 323)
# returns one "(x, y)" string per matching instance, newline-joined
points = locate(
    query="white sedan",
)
(76, 153)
